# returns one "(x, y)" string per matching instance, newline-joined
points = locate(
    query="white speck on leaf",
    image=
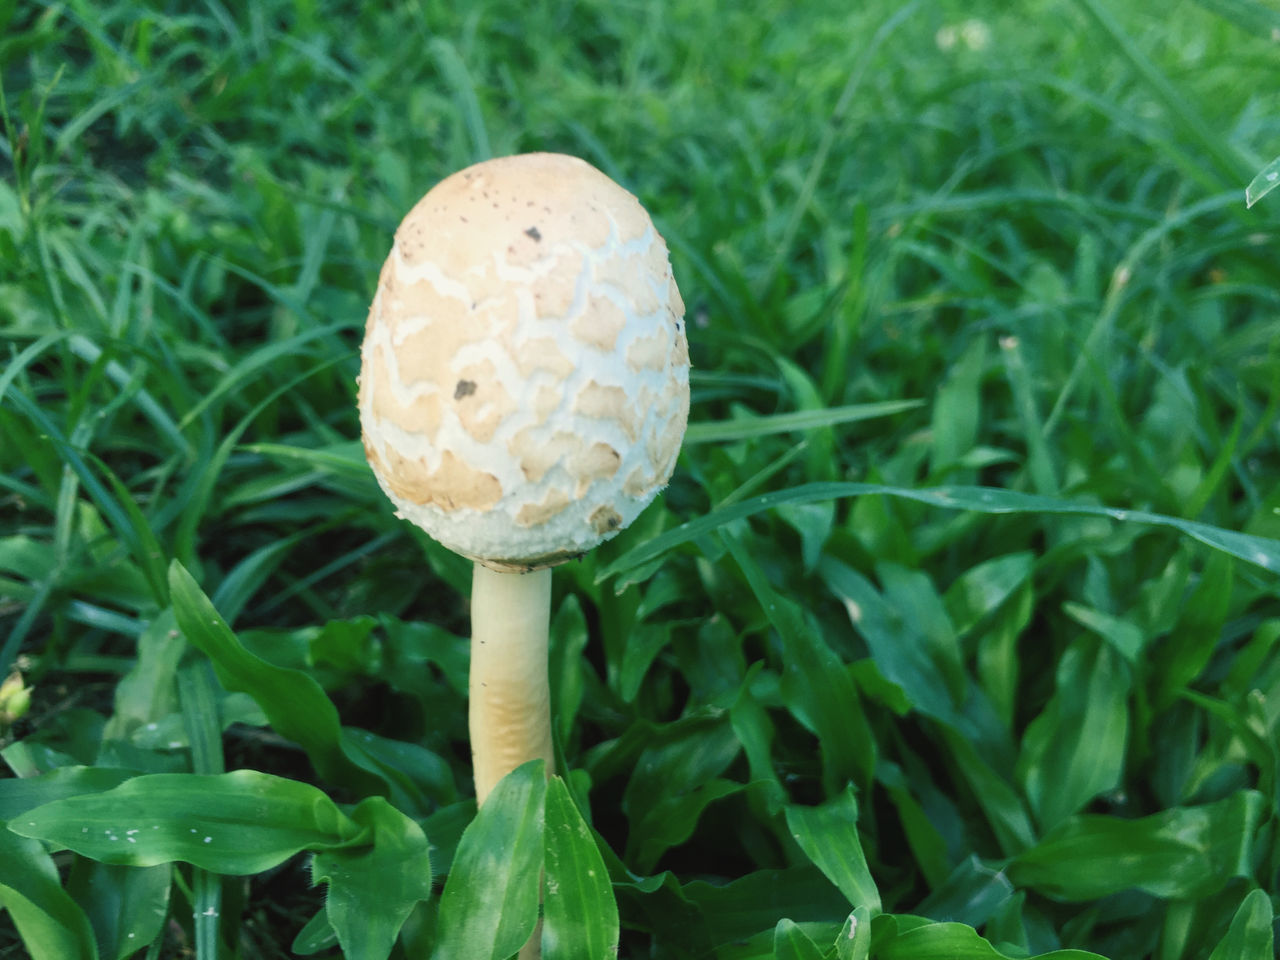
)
(208, 839)
(853, 926)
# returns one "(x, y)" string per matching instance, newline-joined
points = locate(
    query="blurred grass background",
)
(1028, 216)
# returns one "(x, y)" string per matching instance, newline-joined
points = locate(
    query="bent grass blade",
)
(1266, 181)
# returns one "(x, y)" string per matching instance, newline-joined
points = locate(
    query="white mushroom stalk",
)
(524, 391)
(510, 700)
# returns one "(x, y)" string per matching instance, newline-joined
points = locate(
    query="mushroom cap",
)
(524, 383)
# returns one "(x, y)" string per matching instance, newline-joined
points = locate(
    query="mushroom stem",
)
(510, 708)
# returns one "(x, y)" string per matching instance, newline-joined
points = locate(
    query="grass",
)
(955, 634)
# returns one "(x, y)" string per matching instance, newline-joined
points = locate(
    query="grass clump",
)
(970, 649)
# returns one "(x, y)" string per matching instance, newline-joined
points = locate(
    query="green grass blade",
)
(257, 361)
(725, 431)
(197, 698)
(1044, 475)
(1261, 551)
(1250, 15)
(1230, 165)
(1266, 181)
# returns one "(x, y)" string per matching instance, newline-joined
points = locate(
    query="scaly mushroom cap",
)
(524, 380)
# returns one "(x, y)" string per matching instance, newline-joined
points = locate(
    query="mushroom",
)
(524, 390)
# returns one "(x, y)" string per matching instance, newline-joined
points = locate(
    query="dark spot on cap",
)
(465, 388)
(533, 233)
(604, 519)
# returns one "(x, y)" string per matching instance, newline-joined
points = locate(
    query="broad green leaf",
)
(1124, 636)
(755, 731)
(903, 654)
(644, 643)
(829, 837)
(756, 902)
(20, 794)
(294, 703)
(815, 685)
(316, 935)
(957, 409)
(373, 888)
(1183, 852)
(999, 667)
(1041, 467)
(1004, 809)
(580, 915)
(126, 906)
(568, 642)
(971, 894)
(854, 940)
(51, 924)
(918, 602)
(1007, 925)
(1260, 551)
(658, 905)
(1075, 749)
(418, 779)
(675, 777)
(233, 823)
(978, 591)
(1184, 654)
(672, 821)
(1252, 931)
(955, 941)
(814, 523)
(489, 906)
(444, 828)
(147, 693)
(924, 838)
(792, 943)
